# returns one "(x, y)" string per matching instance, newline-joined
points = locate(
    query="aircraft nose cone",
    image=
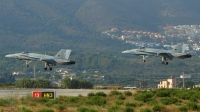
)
(8, 56)
(125, 51)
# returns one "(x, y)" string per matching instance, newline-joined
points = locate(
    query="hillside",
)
(46, 26)
(51, 25)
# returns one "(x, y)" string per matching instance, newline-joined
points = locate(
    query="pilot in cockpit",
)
(25, 52)
(142, 47)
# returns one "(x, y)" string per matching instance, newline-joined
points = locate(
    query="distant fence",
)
(108, 87)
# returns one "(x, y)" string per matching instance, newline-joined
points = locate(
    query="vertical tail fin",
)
(178, 48)
(67, 53)
(63, 54)
(184, 48)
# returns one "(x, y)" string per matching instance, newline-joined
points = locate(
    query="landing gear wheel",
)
(143, 61)
(45, 68)
(166, 63)
(27, 66)
(50, 68)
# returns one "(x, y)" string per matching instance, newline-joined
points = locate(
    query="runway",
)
(18, 93)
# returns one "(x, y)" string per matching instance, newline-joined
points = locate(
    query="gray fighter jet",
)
(177, 52)
(60, 58)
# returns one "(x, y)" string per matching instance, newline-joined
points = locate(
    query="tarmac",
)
(18, 93)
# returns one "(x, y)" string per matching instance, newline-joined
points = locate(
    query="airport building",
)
(169, 83)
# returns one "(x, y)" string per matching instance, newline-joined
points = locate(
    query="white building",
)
(169, 83)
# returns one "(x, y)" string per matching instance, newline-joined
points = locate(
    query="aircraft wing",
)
(50, 61)
(166, 55)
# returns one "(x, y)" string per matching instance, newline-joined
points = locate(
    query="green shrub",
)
(119, 102)
(46, 110)
(193, 99)
(128, 93)
(183, 95)
(145, 110)
(32, 104)
(41, 100)
(192, 106)
(121, 97)
(26, 110)
(63, 98)
(163, 92)
(80, 95)
(73, 99)
(60, 107)
(22, 99)
(12, 101)
(183, 108)
(85, 109)
(8, 102)
(115, 93)
(115, 108)
(28, 97)
(167, 101)
(25, 102)
(3, 102)
(56, 101)
(145, 97)
(96, 100)
(158, 108)
(152, 102)
(129, 109)
(49, 104)
(131, 104)
(82, 109)
(100, 94)
(90, 94)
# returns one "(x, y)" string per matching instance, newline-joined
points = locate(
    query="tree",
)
(27, 83)
(6, 78)
(76, 84)
(66, 82)
(188, 84)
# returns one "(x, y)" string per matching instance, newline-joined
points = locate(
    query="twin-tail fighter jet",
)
(62, 58)
(177, 52)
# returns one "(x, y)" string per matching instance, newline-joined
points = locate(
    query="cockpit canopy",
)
(25, 52)
(142, 48)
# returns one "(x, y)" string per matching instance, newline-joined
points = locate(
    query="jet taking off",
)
(60, 58)
(178, 52)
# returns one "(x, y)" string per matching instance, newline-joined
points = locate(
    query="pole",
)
(34, 72)
(183, 83)
(183, 80)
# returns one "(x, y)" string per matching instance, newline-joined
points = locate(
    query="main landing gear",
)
(45, 66)
(144, 57)
(27, 63)
(164, 61)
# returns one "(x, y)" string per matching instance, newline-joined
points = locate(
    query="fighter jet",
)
(177, 52)
(60, 58)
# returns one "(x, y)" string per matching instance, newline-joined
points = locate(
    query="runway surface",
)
(18, 93)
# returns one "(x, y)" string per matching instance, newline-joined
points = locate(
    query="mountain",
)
(50, 25)
(46, 26)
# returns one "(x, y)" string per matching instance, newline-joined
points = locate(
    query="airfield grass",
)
(160, 100)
